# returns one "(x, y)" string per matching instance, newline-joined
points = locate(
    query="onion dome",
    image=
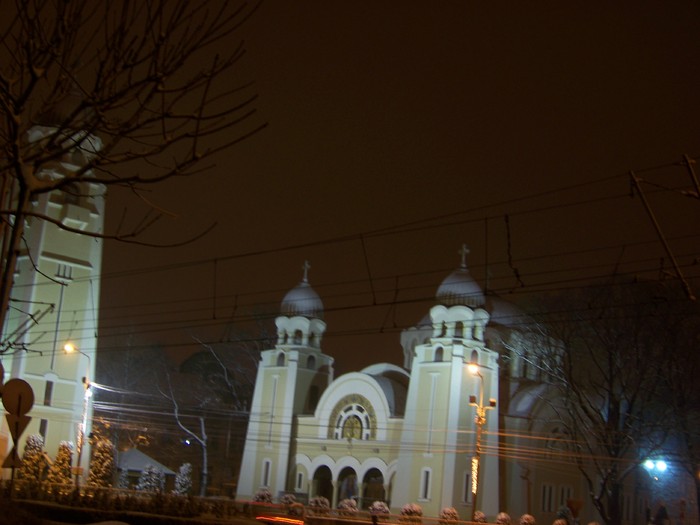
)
(505, 313)
(460, 288)
(302, 300)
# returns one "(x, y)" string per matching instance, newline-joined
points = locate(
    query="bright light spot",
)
(648, 464)
(661, 466)
(69, 347)
(187, 442)
(473, 368)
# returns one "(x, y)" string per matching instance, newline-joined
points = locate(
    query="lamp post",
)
(479, 420)
(69, 348)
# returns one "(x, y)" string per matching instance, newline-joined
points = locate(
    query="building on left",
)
(55, 299)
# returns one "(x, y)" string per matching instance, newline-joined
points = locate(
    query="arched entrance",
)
(347, 484)
(372, 488)
(322, 484)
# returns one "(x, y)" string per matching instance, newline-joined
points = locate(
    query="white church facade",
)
(397, 434)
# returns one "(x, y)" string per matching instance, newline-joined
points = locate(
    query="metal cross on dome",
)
(464, 251)
(306, 267)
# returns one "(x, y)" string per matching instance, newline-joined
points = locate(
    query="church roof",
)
(460, 288)
(135, 460)
(302, 299)
(505, 313)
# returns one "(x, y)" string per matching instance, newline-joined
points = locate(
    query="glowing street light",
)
(655, 467)
(70, 348)
(479, 420)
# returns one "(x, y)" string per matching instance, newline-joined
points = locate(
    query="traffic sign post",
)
(18, 399)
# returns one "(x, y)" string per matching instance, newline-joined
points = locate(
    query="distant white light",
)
(648, 464)
(661, 465)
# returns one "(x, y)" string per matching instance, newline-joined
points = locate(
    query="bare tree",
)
(600, 351)
(94, 94)
(192, 419)
(682, 394)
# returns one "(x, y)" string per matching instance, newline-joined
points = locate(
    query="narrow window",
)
(280, 359)
(547, 498)
(467, 490)
(300, 481)
(43, 427)
(438, 354)
(311, 363)
(425, 484)
(313, 397)
(48, 393)
(266, 472)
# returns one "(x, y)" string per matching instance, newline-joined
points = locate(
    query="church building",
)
(467, 416)
(396, 434)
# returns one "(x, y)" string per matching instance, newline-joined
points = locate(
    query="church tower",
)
(290, 380)
(439, 435)
(56, 295)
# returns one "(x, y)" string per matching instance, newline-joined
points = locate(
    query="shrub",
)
(379, 507)
(102, 463)
(347, 506)
(503, 519)
(34, 462)
(262, 496)
(527, 519)
(183, 480)
(479, 517)
(288, 499)
(60, 472)
(411, 509)
(448, 514)
(319, 505)
(152, 479)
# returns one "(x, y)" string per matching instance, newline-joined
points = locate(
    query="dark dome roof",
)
(505, 313)
(460, 288)
(302, 300)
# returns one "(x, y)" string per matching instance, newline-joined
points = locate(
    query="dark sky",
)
(411, 123)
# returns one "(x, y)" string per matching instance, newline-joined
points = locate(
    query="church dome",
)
(505, 313)
(302, 300)
(460, 288)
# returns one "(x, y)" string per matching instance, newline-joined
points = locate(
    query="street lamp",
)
(479, 420)
(70, 348)
(655, 467)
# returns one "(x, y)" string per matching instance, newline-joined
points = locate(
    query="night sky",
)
(400, 130)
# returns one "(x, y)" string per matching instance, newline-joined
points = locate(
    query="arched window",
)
(297, 337)
(353, 423)
(311, 362)
(280, 359)
(475, 357)
(438, 354)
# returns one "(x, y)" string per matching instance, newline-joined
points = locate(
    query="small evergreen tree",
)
(102, 463)
(60, 472)
(152, 479)
(183, 479)
(34, 461)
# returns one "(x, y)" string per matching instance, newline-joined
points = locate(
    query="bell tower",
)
(290, 380)
(439, 434)
(56, 295)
